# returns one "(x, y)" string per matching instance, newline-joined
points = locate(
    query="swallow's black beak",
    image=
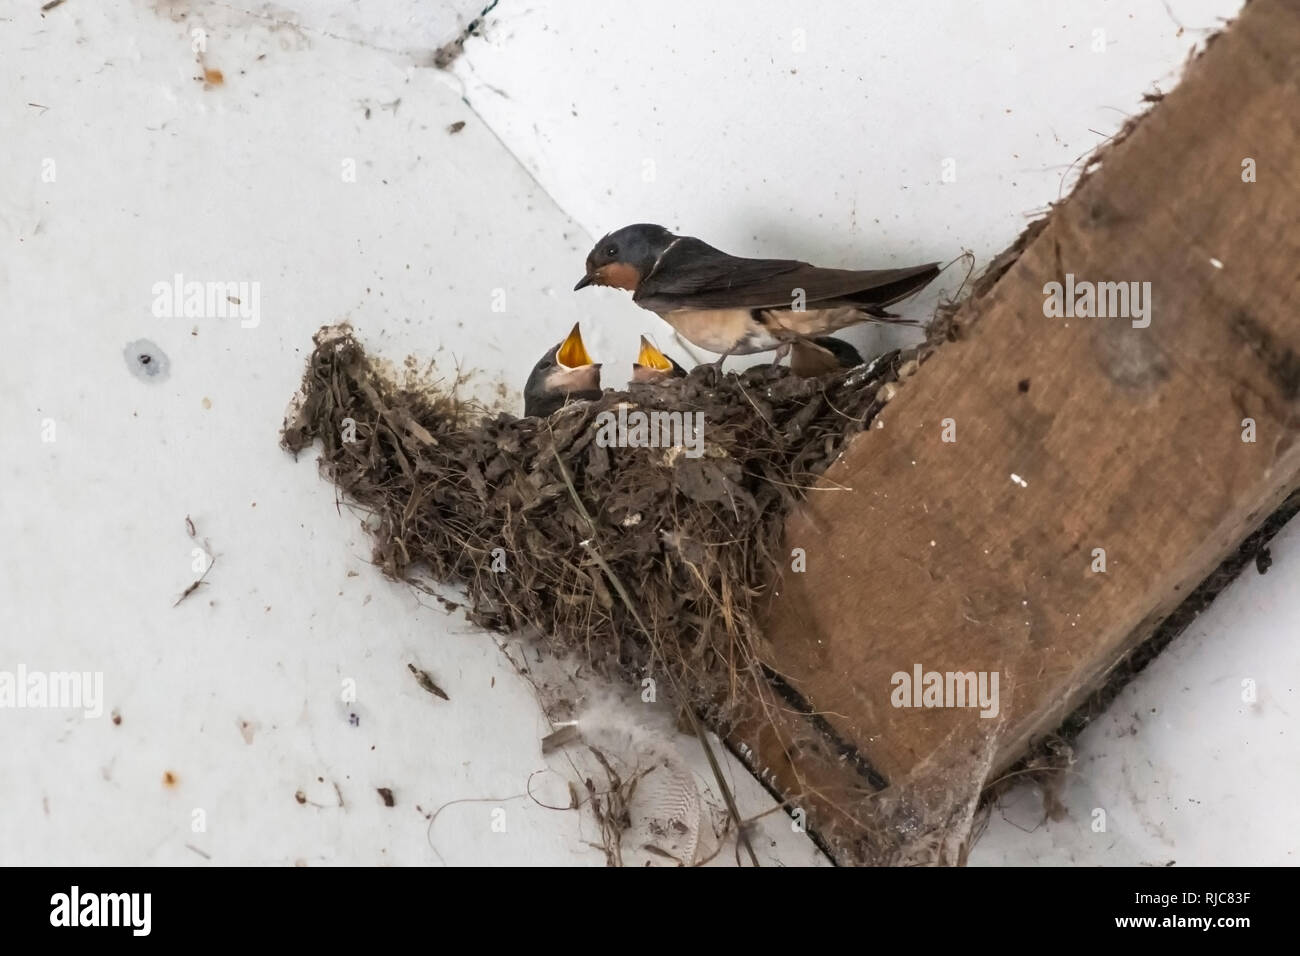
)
(584, 282)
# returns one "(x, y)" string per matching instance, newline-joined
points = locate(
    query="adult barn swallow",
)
(811, 357)
(566, 372)
(651, 365)
(735, 306)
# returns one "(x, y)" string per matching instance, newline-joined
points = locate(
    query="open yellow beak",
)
(651, 357)
(572, 353)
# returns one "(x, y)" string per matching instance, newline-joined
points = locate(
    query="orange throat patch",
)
(618, 275)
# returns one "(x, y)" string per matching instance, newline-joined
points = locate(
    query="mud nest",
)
(642, 562)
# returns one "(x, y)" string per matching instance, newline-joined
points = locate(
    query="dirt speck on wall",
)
(146, 361)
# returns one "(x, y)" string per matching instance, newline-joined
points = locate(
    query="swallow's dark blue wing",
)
(845, 354)
(694, 275)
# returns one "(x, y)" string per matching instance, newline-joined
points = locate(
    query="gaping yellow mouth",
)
(651, 357)
(572, 353)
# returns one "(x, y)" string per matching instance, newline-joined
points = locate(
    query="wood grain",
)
(1122, 438)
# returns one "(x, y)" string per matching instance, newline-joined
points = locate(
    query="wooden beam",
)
(1072, 435)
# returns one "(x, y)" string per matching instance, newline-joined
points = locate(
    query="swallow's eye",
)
(611, 251)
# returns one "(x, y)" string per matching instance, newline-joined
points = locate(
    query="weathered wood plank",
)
(1122, 438)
